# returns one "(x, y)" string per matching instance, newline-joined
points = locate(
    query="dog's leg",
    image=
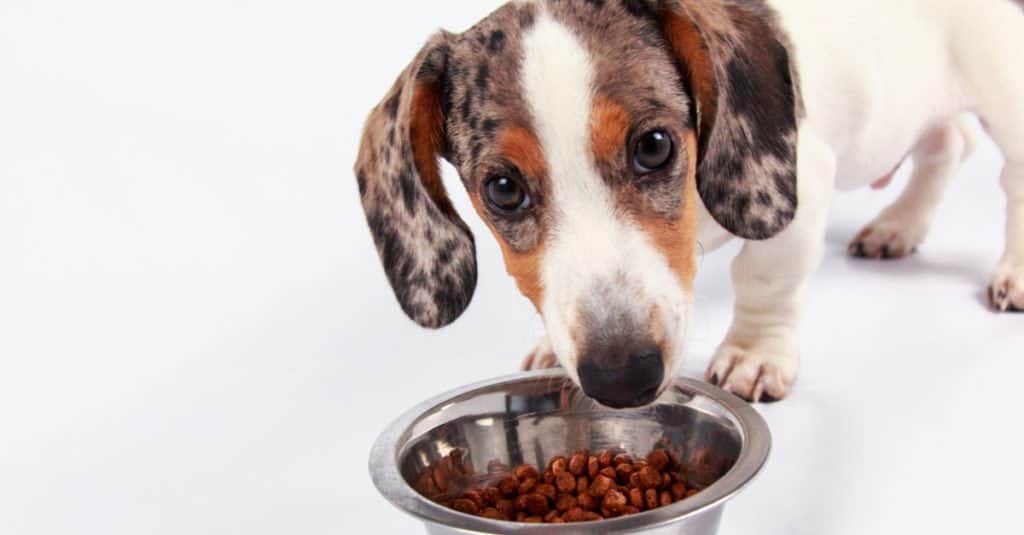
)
(760, 355)
(541, 357)
(987, 48)
(901, 227)
(1006, 288)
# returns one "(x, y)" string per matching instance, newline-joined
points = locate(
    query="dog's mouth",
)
(641, 400)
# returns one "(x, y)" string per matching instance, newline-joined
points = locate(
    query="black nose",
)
(632, 385)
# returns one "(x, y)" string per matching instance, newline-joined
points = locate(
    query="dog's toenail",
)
(714, 379)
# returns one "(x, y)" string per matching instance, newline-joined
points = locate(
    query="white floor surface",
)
(196, 336)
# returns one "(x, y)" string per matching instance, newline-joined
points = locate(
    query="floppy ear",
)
(735, 60)
(427, 250)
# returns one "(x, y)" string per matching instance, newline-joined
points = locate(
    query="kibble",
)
(651, 499)
(578, 463)
(582, 484)
(565, 502)
(678, 491)
(558, 465)
(581, 487)
(658, 460)
(636, 497)
(648, 478)
(525, 471)
(547, 491)
(588, 502)
(565, 482)
(615, 501)
(508, 486)
(464, 505)
(600, 486)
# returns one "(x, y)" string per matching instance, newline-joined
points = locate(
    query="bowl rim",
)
(387, 477)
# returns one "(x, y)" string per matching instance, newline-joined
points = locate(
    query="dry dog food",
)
(579, 488)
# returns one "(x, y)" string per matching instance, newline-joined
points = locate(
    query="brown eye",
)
(652, 151)
(506, 194)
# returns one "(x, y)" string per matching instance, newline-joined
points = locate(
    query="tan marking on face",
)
(522, 149)
(609, 124)
(427, 134)
(523, 267)
(677, 239)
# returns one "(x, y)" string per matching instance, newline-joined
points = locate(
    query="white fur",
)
(879, 78)
(903, 225)
(590, 241)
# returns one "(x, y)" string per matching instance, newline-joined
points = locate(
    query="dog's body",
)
(881, 80)
(773, 102)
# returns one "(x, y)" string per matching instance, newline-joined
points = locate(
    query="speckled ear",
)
(736, 62)
(427, 250)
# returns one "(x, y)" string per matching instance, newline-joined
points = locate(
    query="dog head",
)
(584, 132)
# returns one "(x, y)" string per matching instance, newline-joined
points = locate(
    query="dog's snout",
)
(633, 383)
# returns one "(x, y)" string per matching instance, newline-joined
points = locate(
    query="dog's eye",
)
(506, 193)
(652, 151)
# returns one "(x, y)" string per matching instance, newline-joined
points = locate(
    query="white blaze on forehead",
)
(590, 240)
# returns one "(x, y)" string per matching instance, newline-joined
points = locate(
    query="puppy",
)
(602, 140)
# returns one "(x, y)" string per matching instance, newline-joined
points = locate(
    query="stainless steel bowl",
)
(530, 417)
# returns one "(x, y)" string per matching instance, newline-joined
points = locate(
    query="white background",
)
(196, 336)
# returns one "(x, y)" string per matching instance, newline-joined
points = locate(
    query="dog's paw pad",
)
(1006, 291)
(887, 240)
(751, 375)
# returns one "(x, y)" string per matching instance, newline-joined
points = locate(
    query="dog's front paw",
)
(541, 358)
(753, 374)
(889, 237)
(1006, 290)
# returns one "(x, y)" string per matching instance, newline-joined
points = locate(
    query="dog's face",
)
(583, 131)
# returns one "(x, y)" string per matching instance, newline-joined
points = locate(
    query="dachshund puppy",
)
(602, 140)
